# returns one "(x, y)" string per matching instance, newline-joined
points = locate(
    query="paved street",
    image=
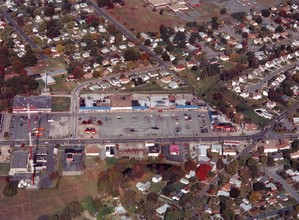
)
(17, 28)
(261, 83)
(271, 172)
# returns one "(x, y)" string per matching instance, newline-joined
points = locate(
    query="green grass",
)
(228, 65)
(87, 204)
(4, 169)
(156, 187)
(62, 85)
(61, 104)
(110, 161)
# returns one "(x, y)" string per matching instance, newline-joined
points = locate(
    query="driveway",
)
(271, 172)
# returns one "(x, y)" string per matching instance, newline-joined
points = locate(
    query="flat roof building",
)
(19, 163)
(36, 104)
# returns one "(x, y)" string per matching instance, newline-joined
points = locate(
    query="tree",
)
(53, 32)
(10, 189)
(158, 50)
(190, 165)
(232, 167)
(234, 192)
(254, 197)
(228, 214)
(72, 210)
(131, 54)
(165, 56)
(219, 164)
(78, 73)
(259, 20)
(17, 65)
(223, 11)
(29, 59)
(266, 13)
(271, 161)
(49, 11)
(263, 160)
(147, 42)
(152, 197)
(279, 29)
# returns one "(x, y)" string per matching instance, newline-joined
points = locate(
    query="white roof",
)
(162, 209)
(49, 79)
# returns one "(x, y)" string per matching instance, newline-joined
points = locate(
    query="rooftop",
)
(35, 102)
(19, 159)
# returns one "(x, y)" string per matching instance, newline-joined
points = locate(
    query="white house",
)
(162, 209)
(156, 178)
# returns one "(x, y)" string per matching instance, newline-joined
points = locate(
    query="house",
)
(295, 179)
(166, 79)
(263, 180)
(156, 178)
(245, 207)
(190, 174)
(294, 155)
(226, 187)
(92, 151)
(179, 67)
(153, 74)
(271, 186)
(144, 77)
(191, 63)
(257, 96)
(235, 182)
(173, 85)
(278, 157)
(271, 104)
(222, 193)
(177, 196)
(184, 181)
(143, 187)
(124, 80)
(186, 189)
(282, 197)
(162, 209)
(290, 172)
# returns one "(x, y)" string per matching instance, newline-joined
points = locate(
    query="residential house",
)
(156, 178)
(143, 187)
(179, 67)
(162, 209)
(294, 155)
(92, 151)
(166, 79)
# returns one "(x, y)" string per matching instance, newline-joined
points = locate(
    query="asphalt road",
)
(18, 29)
(260, 84)
(125, 31)
(271, 172)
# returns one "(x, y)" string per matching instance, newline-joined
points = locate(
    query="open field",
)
(143, 19)
(207, 10)
(61, 104)
(4, 169)
(49, 65)
(61, 85)
(31, 204)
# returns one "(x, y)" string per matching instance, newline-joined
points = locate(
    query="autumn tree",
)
(232, 167)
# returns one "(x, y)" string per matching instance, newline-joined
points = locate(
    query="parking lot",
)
(146, 124)
(19, 126)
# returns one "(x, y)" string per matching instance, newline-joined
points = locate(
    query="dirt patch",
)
(31, 204)
(138, 18)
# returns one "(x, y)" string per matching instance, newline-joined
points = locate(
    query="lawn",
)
(61, 104)
(4, 169)
(207, 10)
(61, 85)
(31, 204)
(135, 16)
(49, 65)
